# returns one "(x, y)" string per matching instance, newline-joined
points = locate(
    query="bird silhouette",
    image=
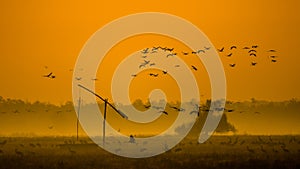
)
(176, 108)
(165, 72)
(271, 50)
(152, 64)
(145, 51)
(253, 54)
(221, 50)
(254, 46)
(50, 127)
(253, 63)
(134, 75)
(147, 106)
(164, 112)
(142, 65)
(230, 110)
(146, 61)
(195, 112)
(230, 54)
(252, 50)
(50, 75)
(199, 51)
(185, 53)
(193, 52)
(163, 48)
(94, 79)
(78, 78)
(152, 74)
(194, 68)
(206, 48)
(232, 65)
(246, 47)
(170, 49)
(273, 60)
(233, 47)
(154, 50)
(273, 56)
(171, 54)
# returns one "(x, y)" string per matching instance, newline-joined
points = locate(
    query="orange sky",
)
(35, 34)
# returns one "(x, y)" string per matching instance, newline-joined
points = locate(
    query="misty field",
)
(218, 152)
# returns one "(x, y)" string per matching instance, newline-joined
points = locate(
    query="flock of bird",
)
(252, 51)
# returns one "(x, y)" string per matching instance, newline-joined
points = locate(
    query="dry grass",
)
(218, 152)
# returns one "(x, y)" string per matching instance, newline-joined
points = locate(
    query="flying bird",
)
(176, 108)
(49, 75)
(230, 54)
(273, 56)
(164, 112)
(201, 51)
(146, 61)
(78, 78)
(147, 106)
(253, 54)
(170, 49)
(134, 75)
(246, 47)
(171, 54)
(194, 52)
(230, 110)
(152, 64)
(271, 50)
(273, 60)
(152, 74)
(221, 50)
(253, 63)
(233, 47)
(185, 53)
(194, 68)
(232, 65)
(206, 48)
(255, 46)
(195, 112)
(165, 72)
(252, 50)
(154, 50)
(145, 51)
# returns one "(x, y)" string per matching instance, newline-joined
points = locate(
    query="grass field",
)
(218, 152)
